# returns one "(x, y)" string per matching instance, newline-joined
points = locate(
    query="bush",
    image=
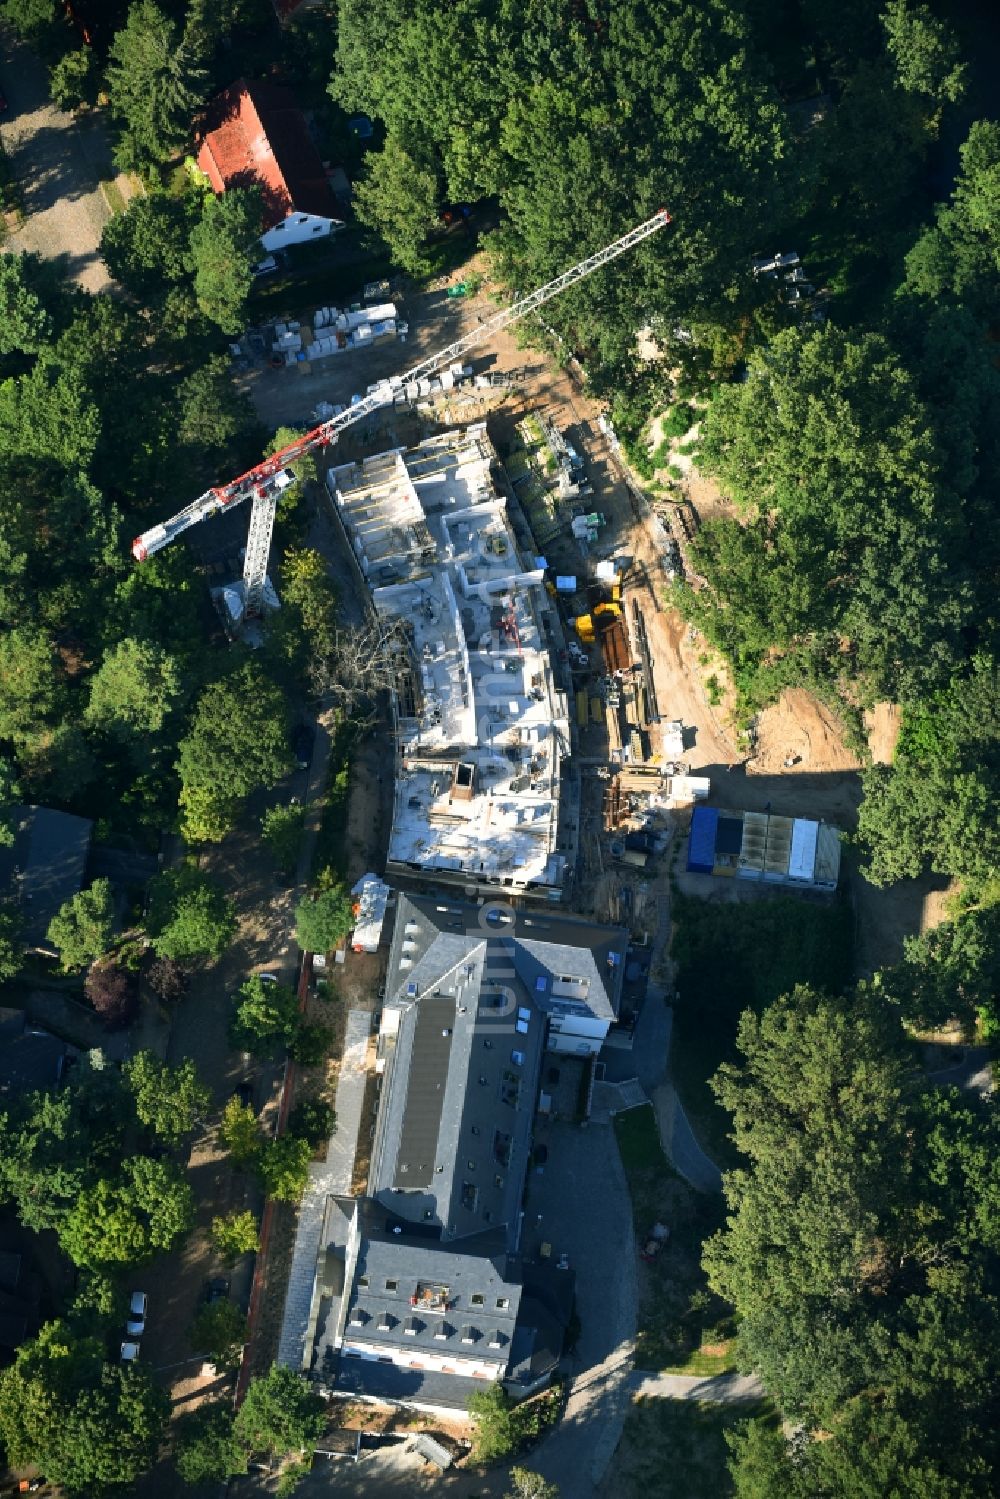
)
(281, 830)
(81, 928)
(679, 421)
(167, 979)
(266, 1015)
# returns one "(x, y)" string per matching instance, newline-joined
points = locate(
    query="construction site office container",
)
(701, 840)
(634, 859)
(802, 856)
(779, 847)
(753, 846)
(728, 841)
(827, 869)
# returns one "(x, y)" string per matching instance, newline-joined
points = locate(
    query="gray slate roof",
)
(462, 1073)
(45, 866)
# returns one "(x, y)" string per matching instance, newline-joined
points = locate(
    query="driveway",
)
(59, 163)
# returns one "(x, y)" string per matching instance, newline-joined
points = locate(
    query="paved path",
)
(331, 1178)
(721, 1389)
(59, 163)
(974, 1072)
(679, 1142)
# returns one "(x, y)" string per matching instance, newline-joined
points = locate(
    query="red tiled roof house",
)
(254, 133)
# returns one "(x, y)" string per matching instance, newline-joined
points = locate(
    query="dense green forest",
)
(858, 440)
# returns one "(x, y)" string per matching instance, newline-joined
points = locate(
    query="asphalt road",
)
(59, 164)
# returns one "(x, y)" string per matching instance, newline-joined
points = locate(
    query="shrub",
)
(312, 1119)
(233, 1236)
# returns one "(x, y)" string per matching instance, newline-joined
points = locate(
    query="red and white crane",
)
(264, 483)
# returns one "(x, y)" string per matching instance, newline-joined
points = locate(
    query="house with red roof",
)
(255, 134)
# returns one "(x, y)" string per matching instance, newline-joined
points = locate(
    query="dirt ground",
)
(800, 729)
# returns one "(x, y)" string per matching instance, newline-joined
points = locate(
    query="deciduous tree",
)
(280, 1414)
(82, 927)
(124, 1221)
(322, 920)
(283, 1167)
(206, 1448)
(238, 741)
(266, 1015)
(219, 1330)
(113, 991)
(133, 692)
(90, 1427)
(234, 1236)
(170, 1101)
(398, 199)
(190, 917)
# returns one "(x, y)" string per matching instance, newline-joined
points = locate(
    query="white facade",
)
(440, 1363)
(296, 229)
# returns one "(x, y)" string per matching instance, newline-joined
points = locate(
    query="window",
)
(303, 218)
(484, 1082)
(392, 1285)
(317, 229)
(362, 1280)
(498, 1181)
(503, 1302)
(488, 1045)
(474, 1129)
(517, 1057)
(477, 1299)
(471, 1165)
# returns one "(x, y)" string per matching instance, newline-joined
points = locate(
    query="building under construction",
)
(481, 728)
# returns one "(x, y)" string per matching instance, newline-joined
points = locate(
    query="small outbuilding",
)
(44, 867)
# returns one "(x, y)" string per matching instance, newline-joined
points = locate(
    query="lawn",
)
(733, 957)
(676, 1449)
(684, 1328)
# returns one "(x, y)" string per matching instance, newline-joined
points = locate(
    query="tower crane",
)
(264, 483)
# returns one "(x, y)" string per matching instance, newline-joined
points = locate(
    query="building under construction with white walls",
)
(481, 726)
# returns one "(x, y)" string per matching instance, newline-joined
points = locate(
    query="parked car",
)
(216, 1289)
(268, 978)
(266, 267)
(136, 1324)
(130, 1352)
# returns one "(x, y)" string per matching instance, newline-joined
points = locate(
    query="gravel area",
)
(59, 163)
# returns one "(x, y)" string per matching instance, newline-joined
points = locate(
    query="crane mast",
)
(264, 483)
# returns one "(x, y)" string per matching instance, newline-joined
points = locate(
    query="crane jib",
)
(254, 482)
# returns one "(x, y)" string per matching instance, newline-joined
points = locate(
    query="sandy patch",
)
(883, 723)
(800, 734)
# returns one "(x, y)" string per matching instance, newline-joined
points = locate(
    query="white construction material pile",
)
(336, 330)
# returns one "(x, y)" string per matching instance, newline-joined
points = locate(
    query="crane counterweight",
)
(265, 482)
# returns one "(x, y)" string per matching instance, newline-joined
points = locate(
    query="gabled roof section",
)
(255, 133)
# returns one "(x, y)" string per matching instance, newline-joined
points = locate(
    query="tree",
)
(11, 939)
(189, 915)
(830, 453)
(92, 1428)
(283, 1167)
(239, 1132)
(280, 1414)
(324, 919)
(219, 1330)
(528, 1485)
(132, 693)
(25, 323)
(934, 805)
(124, 1221)
(154, 87)
(398, 199)
(265, 1015)
(925, 50)
(74, 80)
(310, 1044)
(312, 1119)
(30, 683)
(234, 1236)
(496, 1436)
(960, 256)
(167, 979)
(237, 742)
(206, 1448)
(281, 829)
(149, 243)
(113, 992)
(81, 929)
(10, 795)
(224, 247)
(169, 1100)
